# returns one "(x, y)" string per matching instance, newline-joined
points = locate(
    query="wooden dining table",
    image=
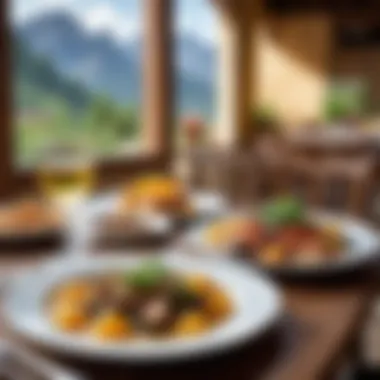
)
(318, 333)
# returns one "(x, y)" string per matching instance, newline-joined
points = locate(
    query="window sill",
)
(110, 171)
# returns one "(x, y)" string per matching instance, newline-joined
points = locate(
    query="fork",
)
(20, 363)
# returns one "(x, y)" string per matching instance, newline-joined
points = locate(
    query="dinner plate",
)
(257, 305)
(362, 246)
(206, 204)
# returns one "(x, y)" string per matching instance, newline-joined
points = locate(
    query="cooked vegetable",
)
(68, 317)
(111, 326)
(217, 304)
(191, 323)
(147, 301)
(280, 234)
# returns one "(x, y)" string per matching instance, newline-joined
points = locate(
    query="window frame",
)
(157, 107)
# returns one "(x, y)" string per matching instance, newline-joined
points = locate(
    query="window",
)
(195, 59)
(77, 76)
(153, 133)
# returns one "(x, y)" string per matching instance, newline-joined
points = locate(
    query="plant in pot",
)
(265, 121)
(193, 128)
(345, 104)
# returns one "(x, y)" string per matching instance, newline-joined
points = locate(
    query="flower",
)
(193, 129)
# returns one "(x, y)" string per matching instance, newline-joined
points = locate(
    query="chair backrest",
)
(340, 180)
(329, 181)
(232, 173)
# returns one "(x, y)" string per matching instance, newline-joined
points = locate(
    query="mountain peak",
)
(102, 64)
(59, 20)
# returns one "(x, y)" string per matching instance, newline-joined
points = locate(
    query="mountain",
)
(104, 65)
(195, 59)
(37, 81)
(97, 62)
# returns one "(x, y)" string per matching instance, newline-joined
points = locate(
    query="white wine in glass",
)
(66, 178)
(66, 184)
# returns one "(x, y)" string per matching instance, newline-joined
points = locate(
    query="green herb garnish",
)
(149, 275)
(282, 212)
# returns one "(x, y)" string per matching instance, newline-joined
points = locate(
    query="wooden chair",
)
(352, 173)
(231, 172)
(271, 155)
(240, 175)
(357, 172)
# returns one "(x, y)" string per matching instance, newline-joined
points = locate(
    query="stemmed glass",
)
(66, 178)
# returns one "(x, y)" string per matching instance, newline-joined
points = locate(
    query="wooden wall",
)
(294, 53)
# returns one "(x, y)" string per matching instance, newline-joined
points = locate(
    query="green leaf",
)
(149, 275)
(283, 211)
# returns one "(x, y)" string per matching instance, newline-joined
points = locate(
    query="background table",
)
(317, 334)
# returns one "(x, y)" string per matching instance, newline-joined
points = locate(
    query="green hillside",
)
(52, 109)
(38, 83)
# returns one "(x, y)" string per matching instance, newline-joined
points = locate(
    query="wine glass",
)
(66, 178)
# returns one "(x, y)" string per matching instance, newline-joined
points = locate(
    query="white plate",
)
(363, 245)
(206, 204)
(256, 301)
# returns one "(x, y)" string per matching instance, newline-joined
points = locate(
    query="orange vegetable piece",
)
(111, 326)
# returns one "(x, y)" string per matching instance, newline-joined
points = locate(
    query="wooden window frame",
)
(157, 110)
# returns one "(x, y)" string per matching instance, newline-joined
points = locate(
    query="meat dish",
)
(280, 233)
(147, 302)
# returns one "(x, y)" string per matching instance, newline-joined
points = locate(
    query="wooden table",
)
(316, 335)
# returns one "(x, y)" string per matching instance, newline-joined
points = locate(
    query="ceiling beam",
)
(238, 20)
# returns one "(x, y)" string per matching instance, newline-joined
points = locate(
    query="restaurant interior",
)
(190, 189)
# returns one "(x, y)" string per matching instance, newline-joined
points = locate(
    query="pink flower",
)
(193, 128)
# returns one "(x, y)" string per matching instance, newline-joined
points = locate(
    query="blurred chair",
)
(357, 172)
(272, 167)
(271, 154)
(340, 162)
(350, 177)
(303, 177)
(233, 173)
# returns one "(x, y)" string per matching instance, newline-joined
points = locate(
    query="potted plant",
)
(193, 128)
(346, 103)
(265, 121)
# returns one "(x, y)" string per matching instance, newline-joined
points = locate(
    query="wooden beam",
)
(158, 73)
(6, 130)
(234, 126)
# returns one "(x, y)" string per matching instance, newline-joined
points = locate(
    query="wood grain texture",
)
(158, 72)
(5, 102)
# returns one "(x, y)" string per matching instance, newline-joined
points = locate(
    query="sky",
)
(121, 18)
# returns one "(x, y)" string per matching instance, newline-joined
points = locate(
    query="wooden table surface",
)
(316, 335)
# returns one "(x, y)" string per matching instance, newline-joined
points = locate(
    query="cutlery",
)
(19, 363)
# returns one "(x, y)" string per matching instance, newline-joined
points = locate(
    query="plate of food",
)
(152, 207)
(166, 195)
(136, 309)
(28, 220)
(283, 236)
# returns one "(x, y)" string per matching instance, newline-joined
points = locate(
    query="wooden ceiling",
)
(330, 5)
